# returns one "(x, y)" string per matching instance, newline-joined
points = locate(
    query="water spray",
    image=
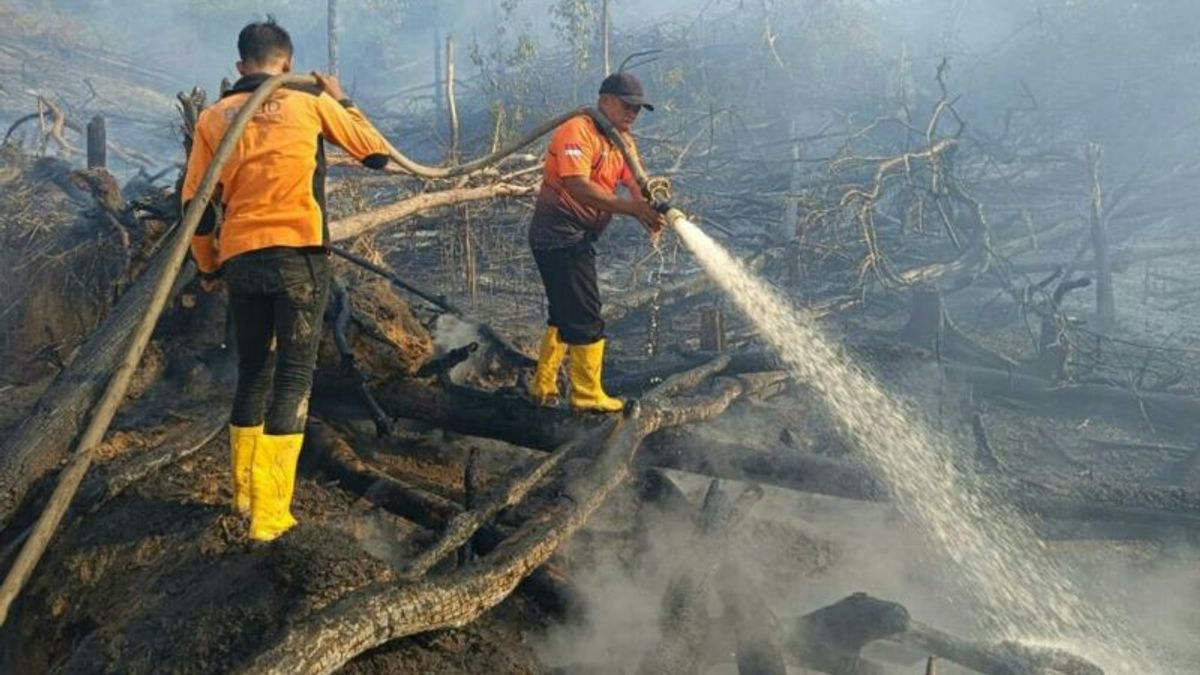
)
(1022, 591)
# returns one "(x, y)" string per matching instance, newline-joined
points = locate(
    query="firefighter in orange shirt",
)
(271, 252)
(574, 206)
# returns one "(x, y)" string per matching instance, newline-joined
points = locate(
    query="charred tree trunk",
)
(1105, 305)
(97, 144)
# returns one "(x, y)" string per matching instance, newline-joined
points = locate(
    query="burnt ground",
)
(164, 574)
(161, 577)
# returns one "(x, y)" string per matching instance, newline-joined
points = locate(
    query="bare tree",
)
(332, 32)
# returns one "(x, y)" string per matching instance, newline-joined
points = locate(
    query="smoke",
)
(450, 333)
(806, 551)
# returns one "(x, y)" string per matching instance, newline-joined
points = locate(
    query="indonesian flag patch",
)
(573, 150)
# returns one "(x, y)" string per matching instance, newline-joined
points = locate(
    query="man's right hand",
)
(330, 84)
(649, 217)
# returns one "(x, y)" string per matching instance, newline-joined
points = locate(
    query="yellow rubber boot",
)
(242, 441)
(543, 388)
(272, 481)
(587, 394)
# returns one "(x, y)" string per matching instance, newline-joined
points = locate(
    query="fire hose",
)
(176, 251)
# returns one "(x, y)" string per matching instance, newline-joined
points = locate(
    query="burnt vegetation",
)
(993, 214)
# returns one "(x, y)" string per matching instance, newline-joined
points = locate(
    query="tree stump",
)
(97, 143)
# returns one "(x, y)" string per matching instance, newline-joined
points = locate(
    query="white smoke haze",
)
(950, 548)
(451, 332)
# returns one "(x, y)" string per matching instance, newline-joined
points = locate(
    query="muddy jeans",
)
(276, 293)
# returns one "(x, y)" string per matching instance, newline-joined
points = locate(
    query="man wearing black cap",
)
(577, 200)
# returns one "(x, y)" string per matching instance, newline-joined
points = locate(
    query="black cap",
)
(627, 88)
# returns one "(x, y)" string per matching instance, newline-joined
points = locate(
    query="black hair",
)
(263, 41)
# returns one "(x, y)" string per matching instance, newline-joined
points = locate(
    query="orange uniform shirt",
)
(578, 148)
(272, 190)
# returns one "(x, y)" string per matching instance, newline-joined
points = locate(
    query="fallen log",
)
(379, 613)
(505, 416)
(337, 459)
(513, 419)
(510, 490)
(784, 467)
(513, 488)
(1159, 410)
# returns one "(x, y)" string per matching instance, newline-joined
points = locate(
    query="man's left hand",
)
(330, 84)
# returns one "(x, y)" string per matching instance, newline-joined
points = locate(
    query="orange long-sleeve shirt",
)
(272, 190)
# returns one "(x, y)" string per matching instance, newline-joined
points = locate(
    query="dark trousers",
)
(277, 302)
(573, 295)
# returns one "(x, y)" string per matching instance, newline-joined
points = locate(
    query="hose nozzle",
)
(673, 215)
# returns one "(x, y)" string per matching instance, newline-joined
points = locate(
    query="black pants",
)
(277, 297)
(569, 275)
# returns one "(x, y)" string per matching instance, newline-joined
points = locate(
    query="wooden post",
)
(1106, 313)
(790, 232)
(604, 37)
(930, 666)
(439, 87)
(332, 33)
(97, 144)
(451, 107)
(712, 329)
(469, 271)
